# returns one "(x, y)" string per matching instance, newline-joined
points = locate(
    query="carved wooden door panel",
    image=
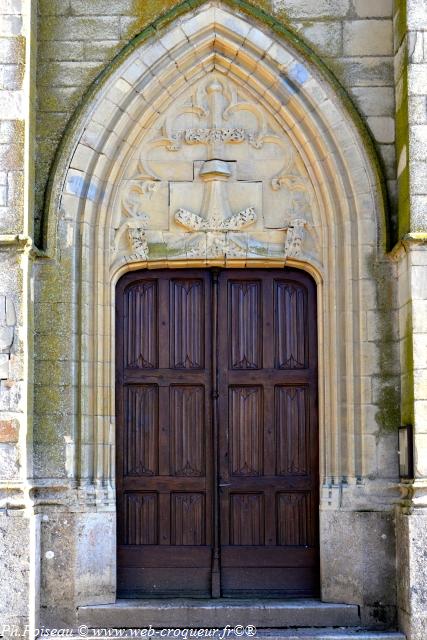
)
(217, 445)
(268, 476)
(164, 442)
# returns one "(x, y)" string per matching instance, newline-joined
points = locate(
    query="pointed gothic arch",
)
(289, 97)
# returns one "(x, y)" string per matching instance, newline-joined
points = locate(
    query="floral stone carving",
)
(294, 237)
(138, 242)
(216, 213)
(218, 178)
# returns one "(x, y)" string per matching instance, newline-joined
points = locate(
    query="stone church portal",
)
(212, 314)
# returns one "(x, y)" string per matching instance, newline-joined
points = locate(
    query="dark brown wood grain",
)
(217, 405)
(268, 433)
(164, 433)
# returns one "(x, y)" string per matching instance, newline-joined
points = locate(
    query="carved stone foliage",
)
(138, 241)
(216, 177)
(294, 237)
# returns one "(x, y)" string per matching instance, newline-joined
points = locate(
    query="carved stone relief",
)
(138, 241)
(295, 237)
(216, 178)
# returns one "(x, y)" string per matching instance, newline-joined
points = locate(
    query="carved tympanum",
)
(213, 168)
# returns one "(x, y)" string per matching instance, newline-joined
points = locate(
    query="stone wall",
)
(18, 524)
(410, 27)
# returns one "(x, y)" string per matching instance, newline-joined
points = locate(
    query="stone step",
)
(355, 633)
(180, 613)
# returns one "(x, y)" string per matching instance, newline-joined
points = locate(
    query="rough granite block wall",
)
(18, 524)
(12, 57)
(78, 38)
(12, 316)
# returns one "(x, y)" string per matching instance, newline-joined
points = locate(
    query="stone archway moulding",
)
(217, 143)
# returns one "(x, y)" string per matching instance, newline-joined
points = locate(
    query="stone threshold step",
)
(179, 613)
(355, 633)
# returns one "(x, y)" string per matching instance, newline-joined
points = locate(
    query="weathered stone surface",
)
(11, 156)
(11, 131)
(7, 324)
(368, 38)
(12, 76)
(87, 28)
(364, 72)
(388, 156)
(416, 47)
(9, 462)
(53, 399)
(418, 213)
(419, 255)
(11, 396)
(102, 7)
(416, 14)
(101, 49)
(326, 37)
(15, 538)
(11, 7)
(306, 9)
(53, 7)
(67, 73)
(96, 564)
(57, 588)
(411, 533)
(9, 430)
(58, 99)
(417, 107)
(363, 571)
(4, 366)
(11, 103)
(12, 50)
(377, 9)
(73, 557)
(417, 83)
(10, 25)
(374, 101)
(196, 613)
(382, 128)
(64, 50)
(418, 141)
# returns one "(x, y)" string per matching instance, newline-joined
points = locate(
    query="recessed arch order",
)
(288, 97)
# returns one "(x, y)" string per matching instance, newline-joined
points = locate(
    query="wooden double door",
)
(217, 434)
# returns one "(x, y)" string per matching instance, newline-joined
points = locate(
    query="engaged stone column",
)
(18, 526)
